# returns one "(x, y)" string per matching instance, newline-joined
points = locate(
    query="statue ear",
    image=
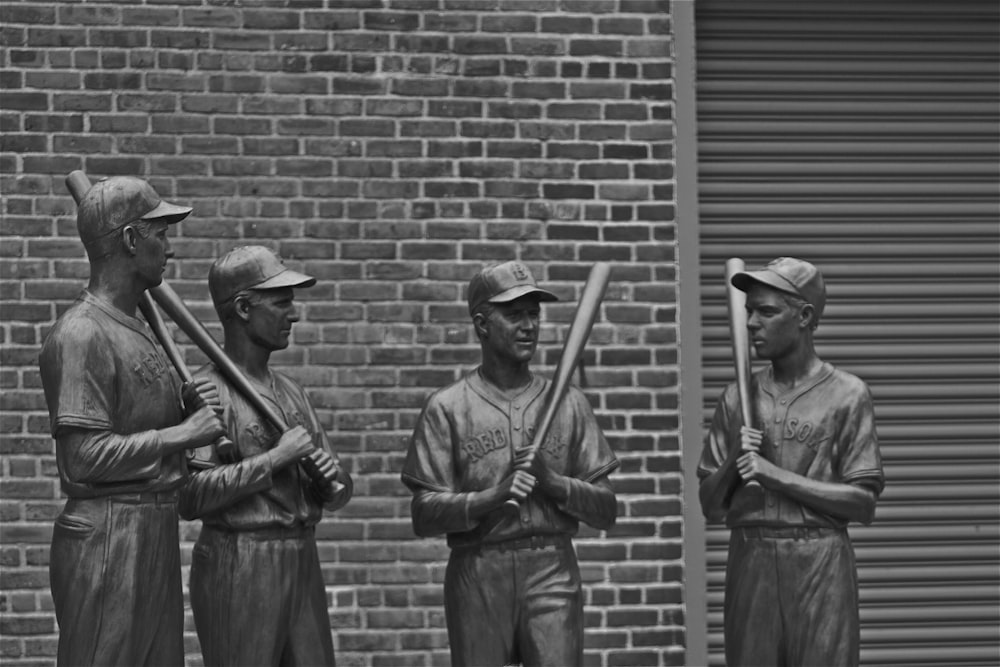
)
(807, 316)
(129, 238)
(242, 307)
(481, 324)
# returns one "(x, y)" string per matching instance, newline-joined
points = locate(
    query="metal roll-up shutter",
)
(863, 136)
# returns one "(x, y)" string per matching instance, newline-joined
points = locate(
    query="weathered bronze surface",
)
(791, 581)
(257, 591)
(512, 586)
(121, 427)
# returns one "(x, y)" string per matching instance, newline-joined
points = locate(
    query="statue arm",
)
(593, 503)
(102, 457)
(219, 486)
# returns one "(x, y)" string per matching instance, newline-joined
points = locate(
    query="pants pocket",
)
(74, 526)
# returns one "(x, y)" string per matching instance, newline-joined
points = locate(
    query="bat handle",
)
(520, 508)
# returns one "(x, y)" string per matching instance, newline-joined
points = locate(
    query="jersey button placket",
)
(779, 417)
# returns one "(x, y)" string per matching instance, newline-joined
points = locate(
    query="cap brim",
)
(287, 278)
(744, 280)
(168, 213)
(523, 290)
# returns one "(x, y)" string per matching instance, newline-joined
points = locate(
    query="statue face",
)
(270, 318)
(775, 325)
(512, 330)
(152, 251)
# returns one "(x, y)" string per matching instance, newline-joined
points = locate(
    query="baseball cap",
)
(788, 274)
(251, 267)
(114, 202)
(502, 283)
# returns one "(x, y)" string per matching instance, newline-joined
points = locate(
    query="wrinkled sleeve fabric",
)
(103, 457)
(79, 372)
(715, 447)
(428, 472)
(860, 461)
(591, 496)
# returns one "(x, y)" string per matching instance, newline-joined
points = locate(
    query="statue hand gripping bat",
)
(587, 310)
(78, 184)
(736, 302)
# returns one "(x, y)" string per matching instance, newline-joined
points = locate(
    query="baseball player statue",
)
(256, 586)
(791, 582)
(512, 586)
(122, 423)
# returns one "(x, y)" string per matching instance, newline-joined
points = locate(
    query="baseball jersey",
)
(823, 429)
(103, 371)
(465, 441)
(248, 494)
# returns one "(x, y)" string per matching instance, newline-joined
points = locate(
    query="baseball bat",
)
(736, 301)
(587, 310)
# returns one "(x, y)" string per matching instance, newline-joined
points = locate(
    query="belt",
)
(789, 532)
(521, 543)
(145, 497)
(296, 532)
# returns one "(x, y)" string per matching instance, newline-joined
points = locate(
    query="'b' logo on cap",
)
(520, 271)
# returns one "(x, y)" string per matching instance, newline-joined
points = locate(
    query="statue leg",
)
(241, 608)
(115, 576)
(551, 625)
(752, 614)
(823, 626)
(480, 607)
(310, 642)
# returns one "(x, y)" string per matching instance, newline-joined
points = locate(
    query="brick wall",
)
(390, 148)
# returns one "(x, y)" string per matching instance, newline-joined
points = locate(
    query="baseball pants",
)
(791, 598)
(115, 572)
(258, 598)
(517, 602)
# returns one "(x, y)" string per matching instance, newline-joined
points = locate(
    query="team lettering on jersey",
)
(480, 445)
(555, 445)
(149, 368)
(801, 431)
(483, 443)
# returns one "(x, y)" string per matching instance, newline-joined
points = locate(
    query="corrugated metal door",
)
(863, 136)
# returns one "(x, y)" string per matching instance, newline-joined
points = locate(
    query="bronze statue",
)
(122, 423)
(791, 581)
(512, 586)
(256, 587)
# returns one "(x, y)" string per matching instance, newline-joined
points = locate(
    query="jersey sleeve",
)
(715, 447)
(428, 463)
(428, 471)
(859, 457)
(79, 377)
(593, 457)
